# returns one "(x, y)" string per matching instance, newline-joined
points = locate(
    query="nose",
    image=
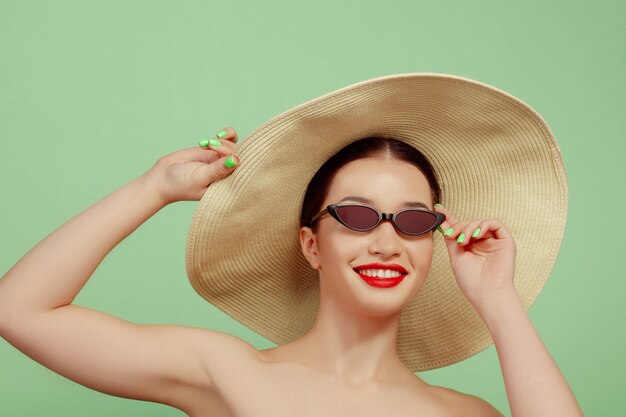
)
(385, 240)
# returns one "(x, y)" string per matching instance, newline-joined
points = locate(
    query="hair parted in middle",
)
(369, 147)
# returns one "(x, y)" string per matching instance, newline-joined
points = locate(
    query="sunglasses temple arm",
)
(317, 216)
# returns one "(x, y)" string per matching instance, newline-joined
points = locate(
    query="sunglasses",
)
(362, 218)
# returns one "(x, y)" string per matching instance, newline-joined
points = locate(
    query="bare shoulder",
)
(467, 404)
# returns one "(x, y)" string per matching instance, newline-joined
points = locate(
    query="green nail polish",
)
(461, 237)
(204, 143)
(215, 143)
(230, 162)
(221, 134)
(438, 205)
(439, 228)
(476, 232)
(448, 232)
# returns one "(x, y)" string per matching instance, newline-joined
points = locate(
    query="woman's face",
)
(336, 250)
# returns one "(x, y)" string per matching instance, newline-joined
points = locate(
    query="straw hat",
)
(494, 156)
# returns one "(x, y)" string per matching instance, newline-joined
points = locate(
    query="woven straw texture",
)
(494, 156)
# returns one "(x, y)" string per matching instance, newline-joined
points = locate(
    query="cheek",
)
(339, 250)
(422, 256)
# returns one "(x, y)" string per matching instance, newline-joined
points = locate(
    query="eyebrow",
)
(368, 201)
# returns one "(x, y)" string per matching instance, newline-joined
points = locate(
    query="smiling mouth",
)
(381, 280)
(379, 273)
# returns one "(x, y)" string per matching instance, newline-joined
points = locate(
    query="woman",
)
(347, 362)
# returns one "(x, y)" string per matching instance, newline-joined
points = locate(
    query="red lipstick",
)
(382, 282)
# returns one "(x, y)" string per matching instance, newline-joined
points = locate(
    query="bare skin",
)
(345, 366)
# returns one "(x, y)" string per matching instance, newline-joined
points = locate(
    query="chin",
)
(380, 302)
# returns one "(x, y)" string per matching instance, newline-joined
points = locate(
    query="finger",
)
(466, 233)
(229, 134)
(493, 228)
(222, 147)
(218, 169)
(455, 230)
(452, 232)
(198, 154)
(450, 219)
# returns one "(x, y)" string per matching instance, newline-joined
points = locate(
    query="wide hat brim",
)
(494, 156)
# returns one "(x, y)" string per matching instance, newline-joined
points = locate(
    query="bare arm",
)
(158, 363)
(55, 270)
(534, 384)
(484, 267)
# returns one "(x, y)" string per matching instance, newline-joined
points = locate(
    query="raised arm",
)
(534, 384)
(483, 264)
(159, 363)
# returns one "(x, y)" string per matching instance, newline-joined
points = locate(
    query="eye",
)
(358, 217)
(415, 221)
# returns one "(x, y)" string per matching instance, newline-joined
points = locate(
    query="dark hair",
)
(363, 148)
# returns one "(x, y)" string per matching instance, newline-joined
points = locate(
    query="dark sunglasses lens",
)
(358, 217)
(415, 221)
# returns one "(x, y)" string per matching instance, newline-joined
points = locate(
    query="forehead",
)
(386, 182)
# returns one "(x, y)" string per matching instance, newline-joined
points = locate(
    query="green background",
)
(93, 93)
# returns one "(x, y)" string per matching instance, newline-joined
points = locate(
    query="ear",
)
(308, 243)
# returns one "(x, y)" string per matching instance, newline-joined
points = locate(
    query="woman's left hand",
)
(483, 265)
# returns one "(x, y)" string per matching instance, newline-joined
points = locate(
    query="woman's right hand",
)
(186, 174)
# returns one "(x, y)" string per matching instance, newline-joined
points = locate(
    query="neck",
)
(353, 346)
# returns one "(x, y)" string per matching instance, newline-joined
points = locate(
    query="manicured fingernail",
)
(461, 237)
(215, 143)
(221, 134)
(476, 232)
(438, 205)
(230, 162)
(204, 143)
(448, 232)
(439, 228)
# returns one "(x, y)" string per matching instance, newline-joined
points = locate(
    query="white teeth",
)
(380, 273)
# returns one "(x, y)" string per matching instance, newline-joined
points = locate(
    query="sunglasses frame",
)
(332, 210)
